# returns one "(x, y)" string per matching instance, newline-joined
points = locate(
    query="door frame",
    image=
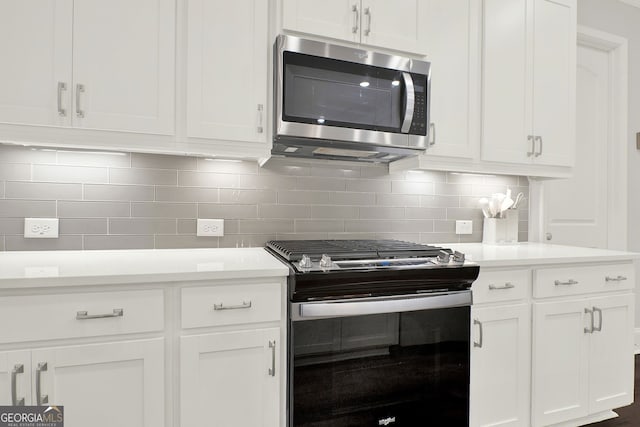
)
(617, 49)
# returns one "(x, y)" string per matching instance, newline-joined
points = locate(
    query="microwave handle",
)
(411, 100)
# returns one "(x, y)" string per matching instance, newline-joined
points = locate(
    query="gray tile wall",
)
(128, 200)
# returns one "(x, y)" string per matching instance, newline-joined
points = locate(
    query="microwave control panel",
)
(419, 122)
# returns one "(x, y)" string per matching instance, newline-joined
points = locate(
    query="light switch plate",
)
(464, 227)
(210, 227)
(41, 228)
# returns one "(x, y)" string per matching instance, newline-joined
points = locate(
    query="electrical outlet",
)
(210, 227)
(41, 228)
(464, 227)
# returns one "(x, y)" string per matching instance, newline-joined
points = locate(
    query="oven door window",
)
(338, 93)
(399, 369)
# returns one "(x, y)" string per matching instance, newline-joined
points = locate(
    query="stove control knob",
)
(443, 257)
(458, 257)
(305, 262)
(325, 262)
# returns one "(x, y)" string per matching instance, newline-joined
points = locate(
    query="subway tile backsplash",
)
(141, 201)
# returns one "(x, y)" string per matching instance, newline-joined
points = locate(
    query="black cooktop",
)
(292, 250)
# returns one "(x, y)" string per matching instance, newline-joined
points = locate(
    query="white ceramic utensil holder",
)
(501, 230)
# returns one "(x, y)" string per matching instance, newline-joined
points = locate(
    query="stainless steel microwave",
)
(344, 103)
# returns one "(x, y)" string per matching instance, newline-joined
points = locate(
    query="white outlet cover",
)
(210, 227)
(464, 227)
(41, 228)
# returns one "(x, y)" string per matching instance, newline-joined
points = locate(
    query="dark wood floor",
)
(629, 415)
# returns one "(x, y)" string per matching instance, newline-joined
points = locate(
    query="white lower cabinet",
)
(99, 385)
(500, 361)
(231, 379)
(583, 357)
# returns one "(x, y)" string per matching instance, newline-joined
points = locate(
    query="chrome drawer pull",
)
(479, 343)
(17, 369)
(599, 311)
(272, 346)
(84, 315)
(587, 330)
(61, 111)
(356, 15)
(507, 285)
(615, 279)
(79, 90)
(567, 283)
(40, 399)
(221, 306)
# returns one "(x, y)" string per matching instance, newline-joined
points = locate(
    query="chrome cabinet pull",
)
(538, 153)
(479, 343)
(221, 306)
(531, 144)
(40, 399)
(17, 369)
(367, 12)
(84, 315)
(272, 346)
(356, 16)
(61, 111)
(432, 130)
(599, 328)
(260, 108)
(567, 283)
(590, 312)
(507, 285)
(79, 90)
(615, 279)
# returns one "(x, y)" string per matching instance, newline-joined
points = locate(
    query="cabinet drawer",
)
(231, 304)
(77, 315)
(503, 285)
(574, 280)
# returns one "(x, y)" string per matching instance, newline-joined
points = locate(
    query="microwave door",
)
(410, 100)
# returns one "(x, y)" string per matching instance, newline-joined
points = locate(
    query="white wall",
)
(622, 19)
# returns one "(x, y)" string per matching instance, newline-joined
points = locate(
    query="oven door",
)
(380, 362)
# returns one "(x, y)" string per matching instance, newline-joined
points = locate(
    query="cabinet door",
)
(560, 361)
(35, 41)
(104, 385)
(554, 81)
(611, 355)
(227, 65)
(452, 33)
(123, 56)
(15, 378)
(229, 377)
(399, 24)
(500, 366)
(506, 81)
(337, 19)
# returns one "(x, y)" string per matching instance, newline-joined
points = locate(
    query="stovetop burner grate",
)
(292, 250)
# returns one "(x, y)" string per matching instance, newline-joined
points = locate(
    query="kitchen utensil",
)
(484, 205)
(519, 199)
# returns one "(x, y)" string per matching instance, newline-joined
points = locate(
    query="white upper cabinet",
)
(123, 65)
(398, 25)
(88, 64)
(35, 41)
(528, 77)
(452, 42)
(227, 69)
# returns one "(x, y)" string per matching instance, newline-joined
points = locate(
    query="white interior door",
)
(35, 44)
(576, 209)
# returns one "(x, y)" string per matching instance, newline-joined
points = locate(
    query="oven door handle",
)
(410, 96)
(365, 306)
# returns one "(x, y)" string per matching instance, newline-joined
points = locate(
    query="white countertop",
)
(530, 253)
(69, 268)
